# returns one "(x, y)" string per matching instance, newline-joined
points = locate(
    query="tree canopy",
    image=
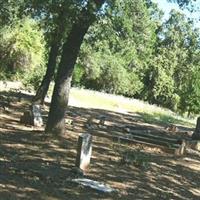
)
(127, 48)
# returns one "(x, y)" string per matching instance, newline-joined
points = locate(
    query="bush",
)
(77, 75)
(108, 72)
(33, 78)
(22, 48)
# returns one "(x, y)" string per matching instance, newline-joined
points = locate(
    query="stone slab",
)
(101, 187)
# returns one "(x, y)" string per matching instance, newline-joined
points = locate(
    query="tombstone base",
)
(27, 118)
(76, 172)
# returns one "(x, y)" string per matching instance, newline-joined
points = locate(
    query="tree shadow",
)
(38, 166)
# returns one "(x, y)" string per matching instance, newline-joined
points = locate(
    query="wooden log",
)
(130, 139)
(148, 135)
(153, 141)
(167, 149)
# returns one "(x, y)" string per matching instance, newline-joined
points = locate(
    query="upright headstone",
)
(37, 117)
(196, 134)
(84, 151)
(26, 118)
(102, 120)
(32, 117)
(181, 150)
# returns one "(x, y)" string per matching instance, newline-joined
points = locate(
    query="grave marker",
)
(84, 151)
(32, 117)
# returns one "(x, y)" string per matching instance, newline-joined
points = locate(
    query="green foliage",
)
(55, 17)
(33, 77)
(22, 48)
(169, 74)
(9, 10)
(116, 79)
(113, 53)
(77, 75)
(129, 51)
(191, 93)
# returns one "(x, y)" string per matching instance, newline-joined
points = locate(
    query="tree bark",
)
(52, 60)
(59, 103)
(196, 134)
(51, 65)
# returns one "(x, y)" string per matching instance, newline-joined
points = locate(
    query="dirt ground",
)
(38, 166)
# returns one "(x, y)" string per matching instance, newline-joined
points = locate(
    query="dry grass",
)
(36, 166)
(151, 113)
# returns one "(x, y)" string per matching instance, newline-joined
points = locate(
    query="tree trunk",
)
(51, 65)
(196, 134)
(59, 103)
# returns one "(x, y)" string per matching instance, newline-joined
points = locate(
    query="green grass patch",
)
(148, 113)
(162, 118)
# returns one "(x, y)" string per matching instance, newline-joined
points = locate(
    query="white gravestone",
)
(84, 151)
(32, 117)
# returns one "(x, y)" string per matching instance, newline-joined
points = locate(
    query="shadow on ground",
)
(36, 166)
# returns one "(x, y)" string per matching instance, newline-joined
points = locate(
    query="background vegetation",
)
(130, 51)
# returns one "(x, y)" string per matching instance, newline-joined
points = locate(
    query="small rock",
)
(128, 130)
(69, 121)
(102, 120)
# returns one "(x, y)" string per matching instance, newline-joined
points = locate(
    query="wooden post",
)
(84, 151)
(196, 134)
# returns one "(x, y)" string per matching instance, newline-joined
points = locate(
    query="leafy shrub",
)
(33, 78)
(107, 72)
(22, 48)
(77, 75)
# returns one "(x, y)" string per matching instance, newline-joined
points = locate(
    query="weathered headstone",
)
(102, 120)
(84, 151)
(172, 128)
(27, 118)
(181, 150)
(196, 134)
(89, 124)
(37, 117)
(32, 117)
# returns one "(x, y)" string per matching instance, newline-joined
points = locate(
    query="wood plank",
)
(131, 141)
(149, 135)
